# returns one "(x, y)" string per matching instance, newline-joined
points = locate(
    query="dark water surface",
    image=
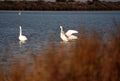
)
(40, 26)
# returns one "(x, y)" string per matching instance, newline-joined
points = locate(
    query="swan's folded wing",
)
(72, 37)
(70, 32)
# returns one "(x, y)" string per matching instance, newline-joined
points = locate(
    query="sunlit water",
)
(40, 27)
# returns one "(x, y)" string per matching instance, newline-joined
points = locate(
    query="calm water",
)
(38, 26)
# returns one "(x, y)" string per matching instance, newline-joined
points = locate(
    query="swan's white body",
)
(68, 35)
(22, 38)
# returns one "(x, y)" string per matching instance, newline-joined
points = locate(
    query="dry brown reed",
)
(87, 59)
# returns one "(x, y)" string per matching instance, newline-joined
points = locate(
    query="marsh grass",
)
(87, 59)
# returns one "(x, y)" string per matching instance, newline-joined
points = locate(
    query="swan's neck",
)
(62, 30)
(20, 31)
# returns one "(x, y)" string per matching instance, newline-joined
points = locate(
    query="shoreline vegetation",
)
(88, 59)
(58, 6)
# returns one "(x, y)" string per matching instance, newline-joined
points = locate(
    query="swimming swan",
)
(22, 37)
(19, 13)
(68, 35)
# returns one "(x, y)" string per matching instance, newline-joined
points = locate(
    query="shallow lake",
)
(42, 26)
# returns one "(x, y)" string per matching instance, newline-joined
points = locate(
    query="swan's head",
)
(61, 27)
(20, 27)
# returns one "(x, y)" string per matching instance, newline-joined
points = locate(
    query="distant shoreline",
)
(59, 6)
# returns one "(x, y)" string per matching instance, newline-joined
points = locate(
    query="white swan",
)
(68, 35)
(19, 13)
(22, 38)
